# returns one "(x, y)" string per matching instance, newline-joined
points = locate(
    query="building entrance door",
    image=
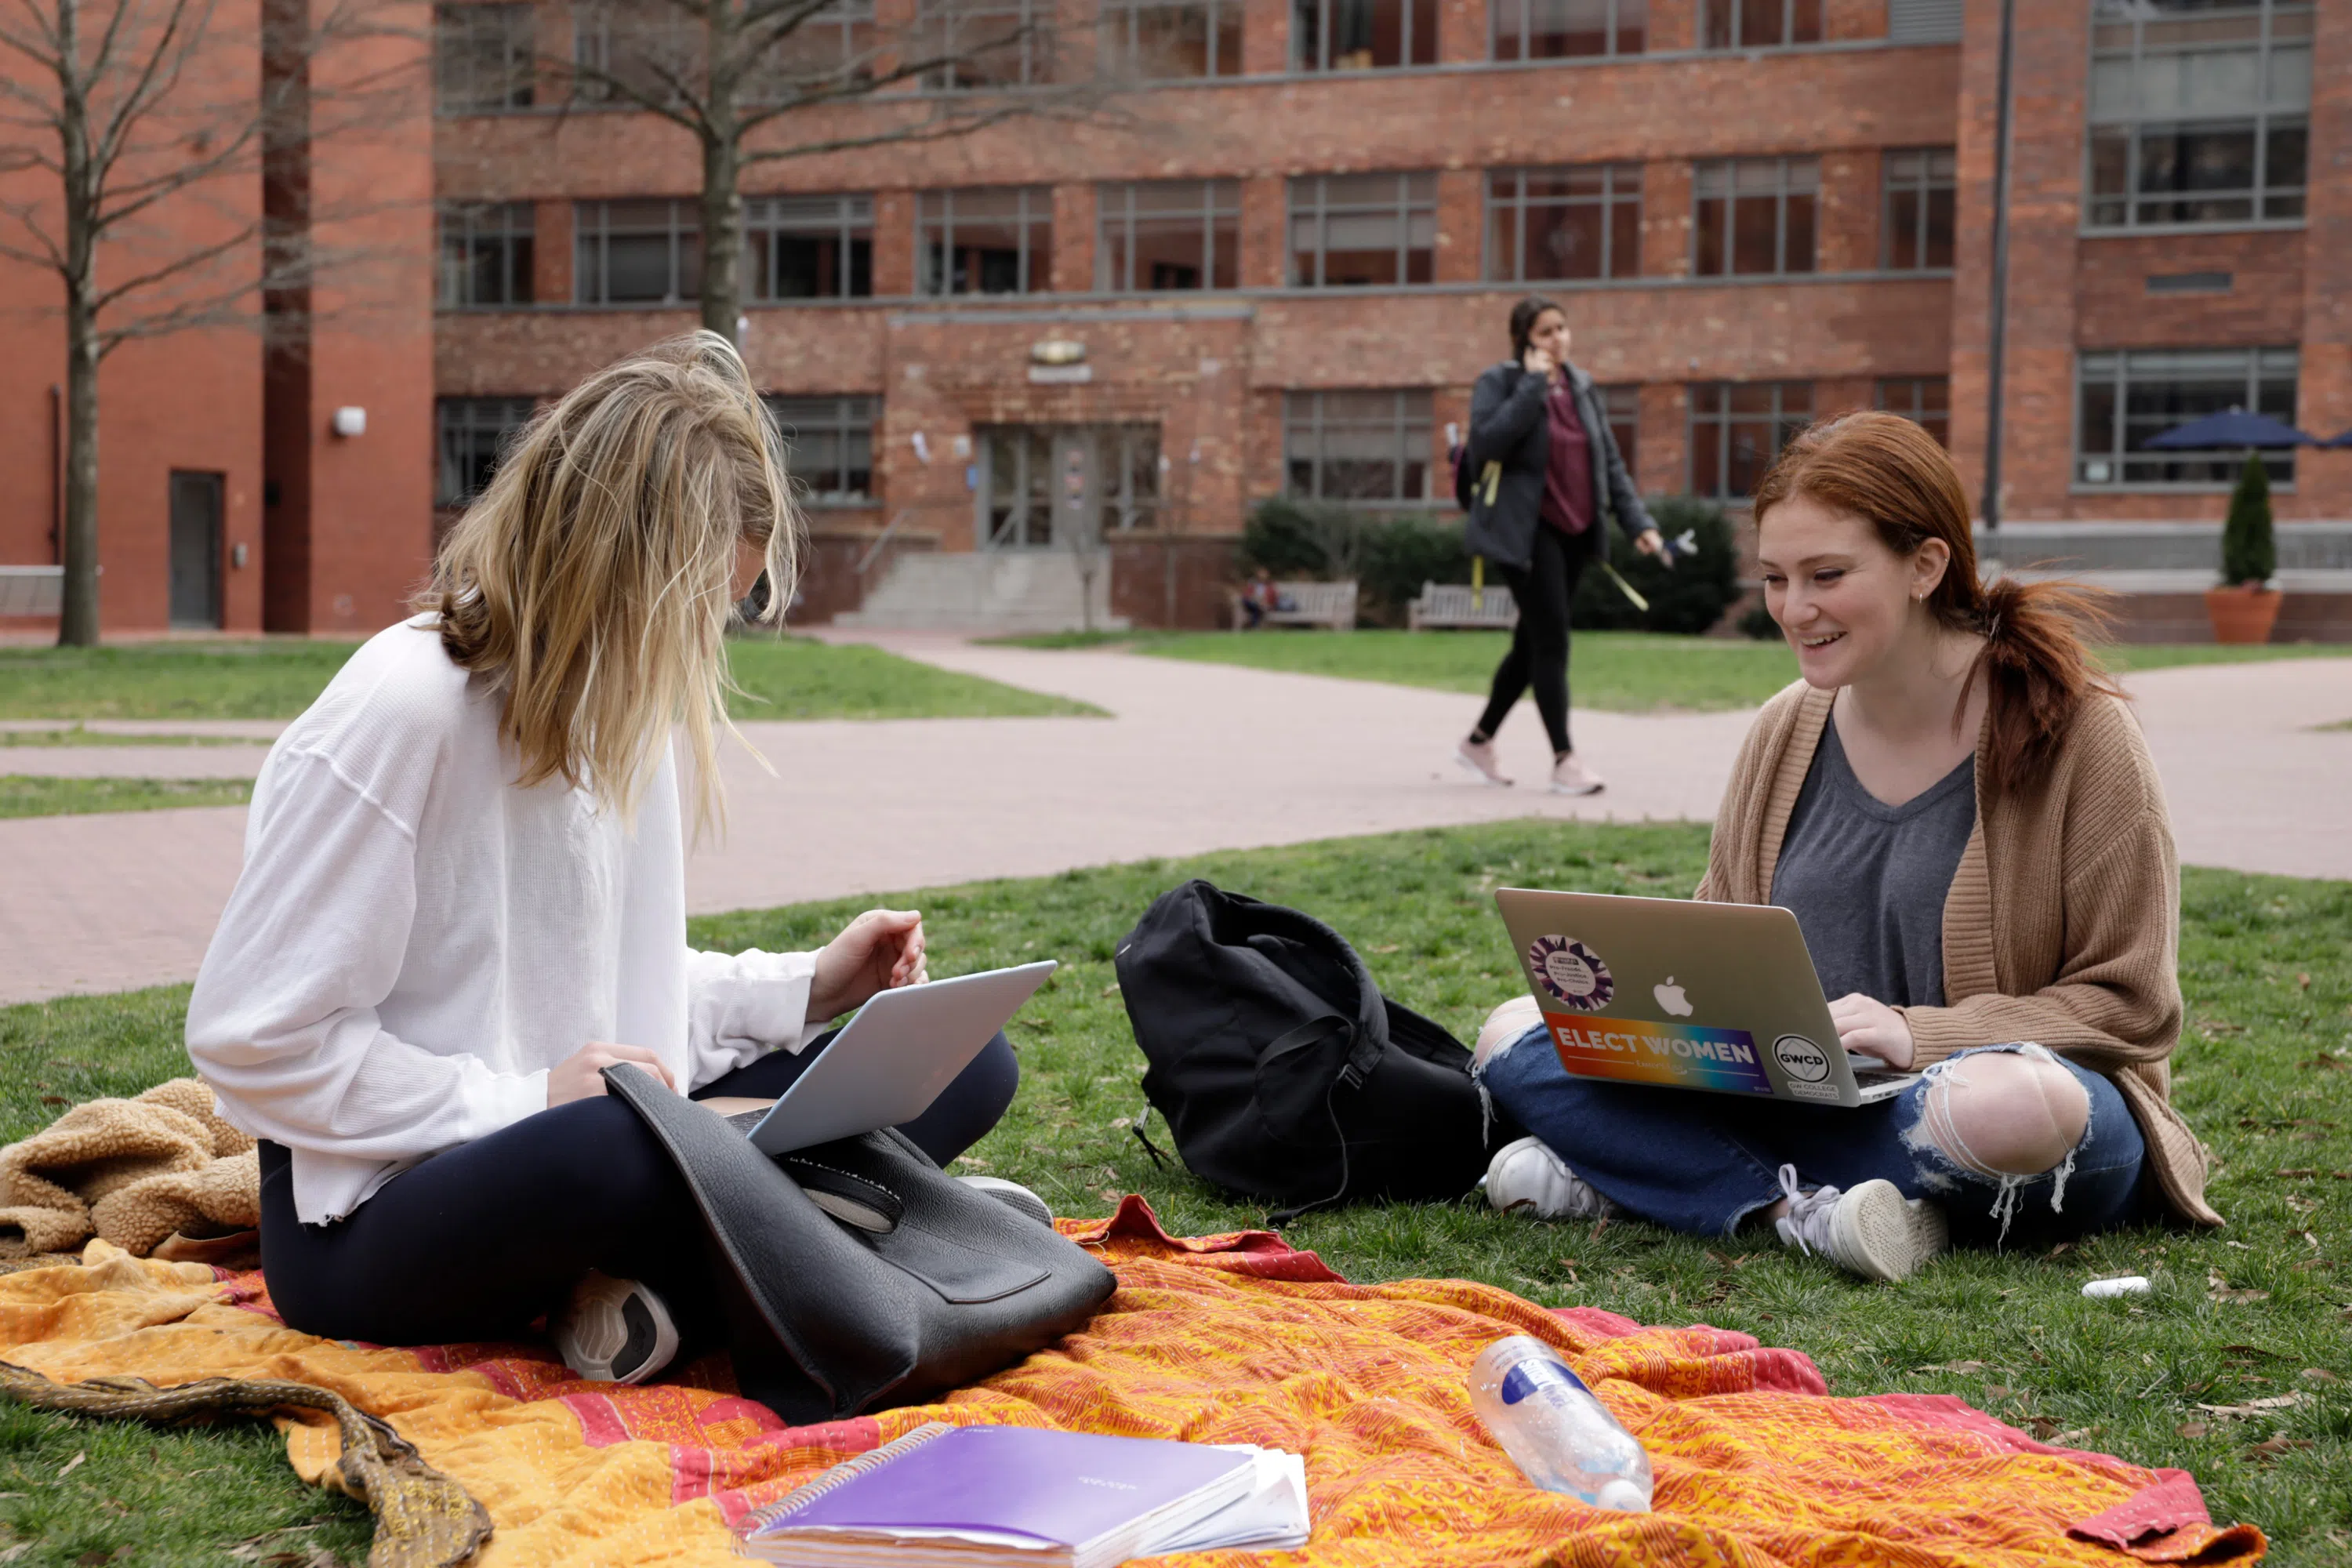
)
(195, 550)
(1041, 486)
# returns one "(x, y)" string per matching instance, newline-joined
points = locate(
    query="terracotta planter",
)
(2242, 615)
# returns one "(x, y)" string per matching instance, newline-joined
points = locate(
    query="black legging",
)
(478, 1240)
(1538, 655)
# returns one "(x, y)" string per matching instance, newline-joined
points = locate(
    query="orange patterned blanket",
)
(1224, 1339)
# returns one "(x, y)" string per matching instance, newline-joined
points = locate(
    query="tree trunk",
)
(78, 616)
(722, 196)
(78, 619)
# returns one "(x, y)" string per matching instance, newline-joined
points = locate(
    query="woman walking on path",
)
(464, 894)
(1537, 420)
(1964, 818)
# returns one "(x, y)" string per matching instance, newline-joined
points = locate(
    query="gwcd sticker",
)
(1571, 973)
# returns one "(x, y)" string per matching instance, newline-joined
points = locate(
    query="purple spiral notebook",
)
(1036, 1494)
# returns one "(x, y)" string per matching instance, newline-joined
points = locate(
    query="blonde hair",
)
(593, 577)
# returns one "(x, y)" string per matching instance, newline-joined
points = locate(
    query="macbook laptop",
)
(1720, 997)
(892, 1058)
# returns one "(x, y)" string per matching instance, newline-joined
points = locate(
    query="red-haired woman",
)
(1963, 816)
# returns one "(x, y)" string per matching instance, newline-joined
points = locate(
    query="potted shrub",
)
(2245, 606)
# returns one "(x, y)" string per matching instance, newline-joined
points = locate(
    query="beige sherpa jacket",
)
(137, 1172)
(2062, 924)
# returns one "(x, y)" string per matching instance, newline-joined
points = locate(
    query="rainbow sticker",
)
(1571, 973)
(1631, 1051)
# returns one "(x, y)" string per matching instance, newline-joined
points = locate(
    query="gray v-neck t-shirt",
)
(1867, 880)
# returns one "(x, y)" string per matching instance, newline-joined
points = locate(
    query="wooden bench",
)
(1331, 604)
(1457, 605)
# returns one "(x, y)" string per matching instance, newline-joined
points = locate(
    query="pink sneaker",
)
(1478, 756)
(1570, 776)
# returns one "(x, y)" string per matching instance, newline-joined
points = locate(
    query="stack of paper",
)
(951, 1496)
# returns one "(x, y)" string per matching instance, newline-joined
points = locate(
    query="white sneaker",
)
(1872, 1231)
(1013, 1195)
(613, 1331)
(1526, 1177)
(1478, 756)
(1570, 776)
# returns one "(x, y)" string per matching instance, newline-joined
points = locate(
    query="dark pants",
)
(1538, 655)
(478, 1240)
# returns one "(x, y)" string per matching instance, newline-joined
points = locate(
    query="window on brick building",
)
(1758, 23)
(485, 255)
(2123, 400)
(1754, 217)
(482, 59)
(2199, 114)
(1916, 227)
(1168, 235)
(1359, 230)
(809, 248)
(1559, 29)
(1622, 406)
(1925, 400)
(1364, 35)
(473, 431)
(635, 252)
(1580, 221)
(832, 45)
(985, 42)
(990, 240)
(1167, 40)
(1737, 427)
(829, 446)
(622, 51)
(1363, 448)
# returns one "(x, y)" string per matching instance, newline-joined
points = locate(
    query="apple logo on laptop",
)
(1670, 997)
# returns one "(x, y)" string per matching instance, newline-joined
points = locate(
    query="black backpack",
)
(1283, 1072)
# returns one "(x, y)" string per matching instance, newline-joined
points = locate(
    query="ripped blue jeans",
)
(1700, 1163)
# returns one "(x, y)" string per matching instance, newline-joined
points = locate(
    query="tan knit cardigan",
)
(2062, 924)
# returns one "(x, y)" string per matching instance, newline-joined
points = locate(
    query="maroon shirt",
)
(1567, 475)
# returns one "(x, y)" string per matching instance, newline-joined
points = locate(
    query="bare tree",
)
(149, 123)
(752, 81)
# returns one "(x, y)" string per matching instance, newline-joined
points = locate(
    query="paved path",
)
(1196, 757)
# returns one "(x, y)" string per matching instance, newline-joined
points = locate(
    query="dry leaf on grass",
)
(2194, 1428)
(2271, 1449)
(1959, 1366)
(2221, 1289)
(2254, 1406)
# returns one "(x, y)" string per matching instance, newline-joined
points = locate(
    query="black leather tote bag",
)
(933, 1286)
(1285, 1075)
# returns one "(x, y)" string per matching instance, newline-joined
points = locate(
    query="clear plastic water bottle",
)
(1562, 1438)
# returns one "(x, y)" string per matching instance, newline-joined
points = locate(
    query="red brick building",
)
(1280, 267)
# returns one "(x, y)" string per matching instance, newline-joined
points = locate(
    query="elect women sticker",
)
(1571, 973)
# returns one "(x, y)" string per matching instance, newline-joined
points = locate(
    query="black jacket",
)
(1508, 424)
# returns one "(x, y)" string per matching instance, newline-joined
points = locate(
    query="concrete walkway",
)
(1196, 757)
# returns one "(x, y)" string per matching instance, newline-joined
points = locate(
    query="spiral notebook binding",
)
(841, 1475)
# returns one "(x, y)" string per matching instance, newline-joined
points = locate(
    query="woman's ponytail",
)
(2037, 668)
(2037, 664)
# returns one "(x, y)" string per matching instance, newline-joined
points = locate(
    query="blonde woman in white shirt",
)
(463, 896)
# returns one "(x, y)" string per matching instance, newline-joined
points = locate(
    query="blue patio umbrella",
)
(2232, 427)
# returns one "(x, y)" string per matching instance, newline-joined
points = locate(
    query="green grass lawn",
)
(1621, 671)
(790, 678)
(2266, 1074)
(77, 735)
(28, 794)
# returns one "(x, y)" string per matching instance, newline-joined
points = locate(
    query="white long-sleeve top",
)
(413, 941)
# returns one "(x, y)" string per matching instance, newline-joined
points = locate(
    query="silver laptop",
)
(891, 1059)
(1721, 998)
